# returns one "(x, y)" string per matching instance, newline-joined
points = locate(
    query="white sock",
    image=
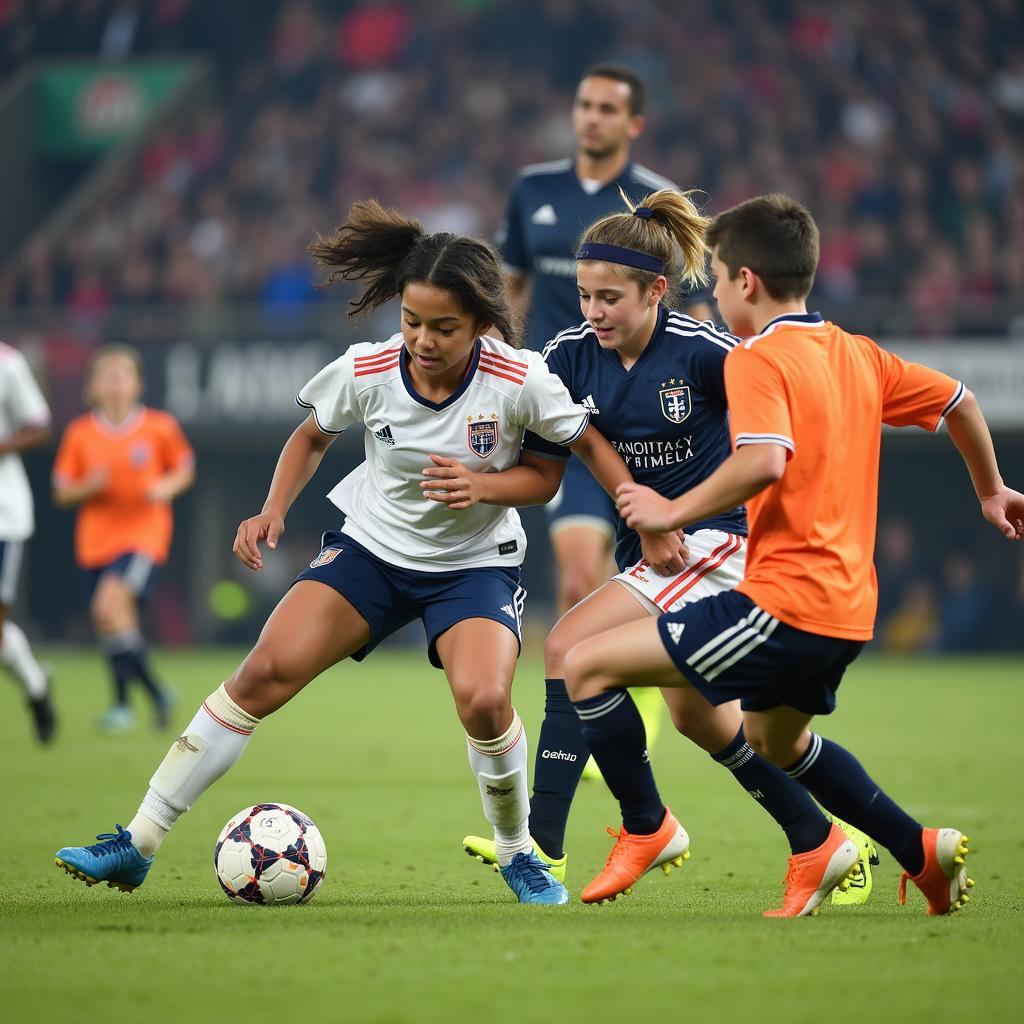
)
(16, 655)
(212, 743)
(500, 769)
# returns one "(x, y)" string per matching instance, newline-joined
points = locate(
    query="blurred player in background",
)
(441, 543)
(122, 464)
(24, 424)
(657, 386)
(806, 406)
(550, 206)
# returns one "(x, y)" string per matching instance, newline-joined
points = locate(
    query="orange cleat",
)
(633, 856)
(943, 879)
(813, 875)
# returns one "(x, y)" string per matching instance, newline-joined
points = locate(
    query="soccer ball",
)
(270, 853)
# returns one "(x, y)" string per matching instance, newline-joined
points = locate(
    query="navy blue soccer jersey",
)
(548, 211)
(666, 416)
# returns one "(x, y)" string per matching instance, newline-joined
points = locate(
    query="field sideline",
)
(407, 928)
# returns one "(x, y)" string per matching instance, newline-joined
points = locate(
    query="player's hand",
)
(1005, 511)
(250, 532)
(644, 509)
(449, 482)
(665, 553)
(159, 492)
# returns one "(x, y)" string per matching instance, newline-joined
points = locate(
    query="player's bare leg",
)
(312, 628)
(583, 556)
(479, 659)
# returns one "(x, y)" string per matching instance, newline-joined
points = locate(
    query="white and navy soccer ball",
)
(270, 853)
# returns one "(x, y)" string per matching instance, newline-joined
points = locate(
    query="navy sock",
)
(120, 673)
(142, 672)
(802, 820)
(561, 754)
(839, 783)
(614, 731)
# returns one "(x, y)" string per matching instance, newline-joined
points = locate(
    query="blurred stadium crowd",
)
(899, 122)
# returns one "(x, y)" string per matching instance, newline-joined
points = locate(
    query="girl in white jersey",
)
(424, 536)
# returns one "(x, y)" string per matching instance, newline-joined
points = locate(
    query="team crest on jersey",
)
(675, 400)
(139, 453)
(483, 435)
(325, 557)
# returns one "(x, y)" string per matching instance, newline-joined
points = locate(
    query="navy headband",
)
(618, 254)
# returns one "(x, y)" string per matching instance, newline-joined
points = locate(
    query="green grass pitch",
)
(407, 928)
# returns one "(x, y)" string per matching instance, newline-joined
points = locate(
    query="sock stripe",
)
(739, 759)
(810, 755)
(488, 748)
(613, 701)
(227, 725)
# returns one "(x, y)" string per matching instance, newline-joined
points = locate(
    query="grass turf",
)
(407, 928)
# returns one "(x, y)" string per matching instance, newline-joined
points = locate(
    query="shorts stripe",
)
(751, 631)
(609, 705)
(137, 572)
(9, 569)
(758, 639)
(694, 575)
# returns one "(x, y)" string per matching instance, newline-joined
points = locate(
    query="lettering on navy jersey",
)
(666, 416)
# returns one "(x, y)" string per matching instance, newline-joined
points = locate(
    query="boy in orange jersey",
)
(807, 402)
(122, 464)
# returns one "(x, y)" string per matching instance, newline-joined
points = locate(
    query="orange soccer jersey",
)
(823, 394)
(135, 454)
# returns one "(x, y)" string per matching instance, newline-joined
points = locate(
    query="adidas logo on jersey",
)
(385, 436)
(590, 405)
(675, 630)
(544, 215)
(509, 610)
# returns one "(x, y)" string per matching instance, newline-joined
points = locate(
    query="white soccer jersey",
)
(21, 405)
(505, 392)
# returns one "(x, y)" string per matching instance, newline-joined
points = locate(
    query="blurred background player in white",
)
(657, 382)
(24, 423)
(550, 206)
(122, 464)
(440, 544)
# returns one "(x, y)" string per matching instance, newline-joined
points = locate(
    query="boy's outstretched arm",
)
(1000, 505)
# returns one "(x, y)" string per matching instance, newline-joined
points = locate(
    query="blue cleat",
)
(113, 860)
(532, 882)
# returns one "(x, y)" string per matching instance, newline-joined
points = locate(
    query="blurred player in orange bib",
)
(806, 402)
(122, 464)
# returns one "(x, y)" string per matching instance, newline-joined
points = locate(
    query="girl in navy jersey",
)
(652, 380)
(442, 543)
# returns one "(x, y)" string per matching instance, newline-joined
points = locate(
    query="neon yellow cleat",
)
(483, 850)
(859, 889)
(651, 705)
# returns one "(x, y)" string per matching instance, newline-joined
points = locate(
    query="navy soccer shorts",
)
(137, 570)
(580, 501)
(730, 649)
(388, 596)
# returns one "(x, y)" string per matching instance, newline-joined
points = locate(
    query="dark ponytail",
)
(386, 250)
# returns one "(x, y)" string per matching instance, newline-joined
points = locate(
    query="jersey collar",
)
(403, 363)
(804, 319)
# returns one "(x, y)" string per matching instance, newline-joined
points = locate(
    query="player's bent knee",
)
(583, 677)
(557, 645)
(486, 712)
(262, 683)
